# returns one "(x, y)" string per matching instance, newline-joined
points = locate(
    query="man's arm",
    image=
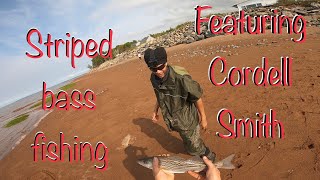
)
(203, 117)
(155, 115)
(194, 95)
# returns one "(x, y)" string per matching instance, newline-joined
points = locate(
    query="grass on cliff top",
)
(68, 86)
(40, 103)
(16, 120)
(64, 88)
(169, 30)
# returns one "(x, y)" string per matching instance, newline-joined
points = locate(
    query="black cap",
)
(155, 57)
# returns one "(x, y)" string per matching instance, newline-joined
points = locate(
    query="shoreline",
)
(12, 136)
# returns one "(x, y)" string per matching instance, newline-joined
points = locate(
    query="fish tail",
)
(226, 163)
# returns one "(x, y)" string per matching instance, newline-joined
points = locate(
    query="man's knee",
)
(193, 142)
(195, 147)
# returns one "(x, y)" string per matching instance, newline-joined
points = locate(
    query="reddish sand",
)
(125, 101)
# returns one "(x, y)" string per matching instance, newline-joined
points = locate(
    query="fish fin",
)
(226, 163)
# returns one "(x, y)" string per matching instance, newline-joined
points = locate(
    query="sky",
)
(129, 20)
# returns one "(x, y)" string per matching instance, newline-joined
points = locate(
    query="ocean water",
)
(12, 136)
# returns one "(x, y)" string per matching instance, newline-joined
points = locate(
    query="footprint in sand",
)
(43, 174)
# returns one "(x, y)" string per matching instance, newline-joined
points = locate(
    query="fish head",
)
(146, 162)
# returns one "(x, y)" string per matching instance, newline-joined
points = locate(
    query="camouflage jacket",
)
(176, 96)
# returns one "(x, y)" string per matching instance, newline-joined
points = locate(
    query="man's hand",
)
(158, 173)
(204, 123)
(155, 117)
(212, 173)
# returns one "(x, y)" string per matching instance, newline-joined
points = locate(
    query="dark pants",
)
(195, 145)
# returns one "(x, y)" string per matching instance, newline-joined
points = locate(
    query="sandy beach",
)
(125, 100)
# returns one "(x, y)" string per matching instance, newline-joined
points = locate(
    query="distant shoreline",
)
(53, 88)
(12, 136)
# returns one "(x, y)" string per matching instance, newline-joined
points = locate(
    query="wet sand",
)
(125, 101)
(12, 136)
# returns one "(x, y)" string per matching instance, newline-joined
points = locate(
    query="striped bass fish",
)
(175, 164)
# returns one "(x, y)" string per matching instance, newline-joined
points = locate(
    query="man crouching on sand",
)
(179, 98)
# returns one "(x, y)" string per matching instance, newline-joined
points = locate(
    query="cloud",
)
(116, 8)
(84, 19)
